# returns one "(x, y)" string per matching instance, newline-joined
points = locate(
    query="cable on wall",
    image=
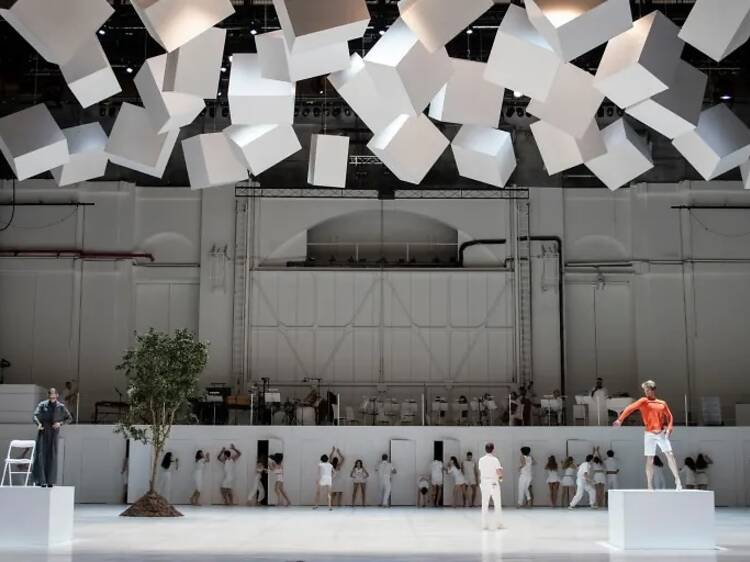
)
(12, 209)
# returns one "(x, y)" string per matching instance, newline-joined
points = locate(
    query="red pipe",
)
(75, 254)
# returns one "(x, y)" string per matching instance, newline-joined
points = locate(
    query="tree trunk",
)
(154, 468)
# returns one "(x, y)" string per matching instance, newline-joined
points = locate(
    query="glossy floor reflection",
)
(404, 534)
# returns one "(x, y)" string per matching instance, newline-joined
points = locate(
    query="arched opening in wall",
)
(382, 238)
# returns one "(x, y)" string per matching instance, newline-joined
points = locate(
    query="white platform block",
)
(643, 519)
(675, 111)
(311, 25)
(329, 160)
(745, 170)
(356, 86)
(254, 100)
(195, 68)
(436, 22)
(561, 151)
(409, 147)
(17, 400)
(575, 27)
(717, 27)
(36, 517)
(87, 145)
(135, 144)
(641, 62)
(404, 71)
(277, 62)
(572, 102)
(89, 74)
(468, 98)
(57, 30)
(719, 143)
(261, 147)
(32, 142)
(211, 161)
(627, 157)
(168, 110)
(484, 154)
(172, 23)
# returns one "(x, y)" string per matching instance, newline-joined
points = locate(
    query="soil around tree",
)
(151, 505)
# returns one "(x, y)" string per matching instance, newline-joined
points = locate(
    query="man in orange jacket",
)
(658, 422)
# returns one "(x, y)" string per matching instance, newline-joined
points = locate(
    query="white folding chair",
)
(12, 462)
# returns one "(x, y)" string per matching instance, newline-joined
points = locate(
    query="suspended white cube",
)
(357, 87)
(409, 147)
(32, 142)
(521, 59)
(87, 145)
(468, 98)
(627, 157)
(261, 147)
(574, 27)
(436, 22)
(195, 68)
(641, 62)
(57, 30)
(675, 111)
(329, 159)
(404, 71)
(717, 27)
(135, 144)
(720, 143)
(211, 161)
(561, 151)
(89, 74)
(745, 170)
(279, 63)
(254, 100)
(172, 23)
(313, 24)
(484, 154)
(572, 102)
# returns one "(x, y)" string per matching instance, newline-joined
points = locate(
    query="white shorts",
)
(651, 440)
(325, 482)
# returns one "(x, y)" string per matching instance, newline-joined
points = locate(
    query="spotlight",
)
(223, 68)
(469, 31)
(381, 32)
(321, 92)
(517, 94)
(218, 94)
(102, 32)
(230, 58)
(725, 97)
(253, 32)
(347, 112)
(129, 70)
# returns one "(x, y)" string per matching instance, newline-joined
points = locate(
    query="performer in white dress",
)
(385, 472)
(276, 465)
(491, 474)
(167, 465)
(257, 492)
(525, 475)
(228, 459)
(459, 483)
(359, 477)
(471, 474)
(201, 460)
(568, 482)
(325, 480)
(599, 478)
(423, 490)
(584, 484)
(436, 477)
(553, 479)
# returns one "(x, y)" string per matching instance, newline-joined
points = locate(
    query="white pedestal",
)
(18, 401)
(643, 519)
(34, 516)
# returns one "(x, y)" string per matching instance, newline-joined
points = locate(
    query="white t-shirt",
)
(488, 466)
(228, 474)
(611, 464)
(469, 473)
(436, 472)
(458, 476)
(325, 473)
(422, 482)
(527, 466)
(385, 471)
(583, 469)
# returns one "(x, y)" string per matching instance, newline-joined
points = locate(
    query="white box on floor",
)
(643, 519)
(32, 516)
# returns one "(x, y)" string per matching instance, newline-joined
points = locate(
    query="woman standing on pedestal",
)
(49, 416)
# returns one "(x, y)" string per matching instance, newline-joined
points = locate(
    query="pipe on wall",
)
(74, 254)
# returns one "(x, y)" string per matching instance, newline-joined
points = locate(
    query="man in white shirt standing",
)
(385, 472)
(490, 474)
(585, 484)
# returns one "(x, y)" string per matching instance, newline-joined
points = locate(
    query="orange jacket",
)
(655, 413)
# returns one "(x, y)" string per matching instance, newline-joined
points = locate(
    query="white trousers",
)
(524, 482)
(612, 483)
(581, 487)
(385, 488)
(489, 490)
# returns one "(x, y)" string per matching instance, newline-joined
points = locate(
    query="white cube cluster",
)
(254, 100)
(172, 23)
(311, 25)
(409, 147)
(405, 71)
(574, 27)
(260, 147)
(277, 62)
(32, 142)
(561, 151)
(135, 144)
(195, 68)
(484, 154)
(329, 160)
(211, 161)
(720, 143)
(717, 27)
(467, 98)
(641, 62)
(675, 111)
(436, 22)
(627, 157)
(572, 102)
(87, 145)
(56, 30)
(89, 75)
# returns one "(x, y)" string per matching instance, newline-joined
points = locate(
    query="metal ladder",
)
(523, 288)
(240, 343)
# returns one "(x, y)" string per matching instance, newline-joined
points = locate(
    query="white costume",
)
(278, 472)
(687, 476)
(600, 473)
(458, 476)
(582, 485)
(524, 480)
(385, 472)
(359, 476)
(228, 480)
(325, 474)
(469, 470)
(553, 476)
(198, 468)
(612, 466)
(436, 473)
(651, 440)
(701, 477)
(569, 478)
(490, 487)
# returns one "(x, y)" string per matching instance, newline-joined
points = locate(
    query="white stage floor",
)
(403, 534)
